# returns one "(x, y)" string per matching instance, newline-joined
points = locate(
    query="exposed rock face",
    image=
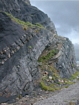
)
(20, 49)
(66, 57)
(64, 60)
(26, 1)
(19, 62)
(25, 12)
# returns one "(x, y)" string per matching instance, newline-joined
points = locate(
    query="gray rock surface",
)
(25, 12)
(19, 63)
(20, 49)
(64, 60)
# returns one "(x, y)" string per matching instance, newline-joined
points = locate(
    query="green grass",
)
(48, 70)
(74, 76)
(48, 56)
(19, 96)
(24, 24)
(48, 85)
(56, 82)
(39, 25)
(30, 47)
(72, 103)
(51, 87)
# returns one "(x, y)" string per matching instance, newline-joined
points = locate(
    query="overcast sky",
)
(65, 16)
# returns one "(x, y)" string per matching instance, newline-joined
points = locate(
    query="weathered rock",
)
(25, 12)
(20, 68)
(20, 48)
(64, 60)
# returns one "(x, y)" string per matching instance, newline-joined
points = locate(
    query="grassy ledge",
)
(47, 57)
(25, 25)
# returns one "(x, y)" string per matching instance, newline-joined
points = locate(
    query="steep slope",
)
(20, 50)
(63, 60)
(23, 41)
(25, 12)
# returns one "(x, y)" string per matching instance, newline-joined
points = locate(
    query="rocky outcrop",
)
(66, 57)
(25, 12)
(20, 47)
(19, 55)
(64, 60)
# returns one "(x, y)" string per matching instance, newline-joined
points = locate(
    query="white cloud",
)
(57, 26)
(73, 36)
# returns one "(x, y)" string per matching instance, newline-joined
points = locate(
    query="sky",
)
(65, 16)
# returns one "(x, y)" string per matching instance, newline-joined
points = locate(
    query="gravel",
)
(66, 95)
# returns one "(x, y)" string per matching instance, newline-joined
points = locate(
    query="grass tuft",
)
(48, 56)
(25, 25)
(75, 76)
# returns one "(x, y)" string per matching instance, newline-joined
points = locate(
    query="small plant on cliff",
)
(39, 25)
(30, 47)
(48, 56)
(72, 103)
(19, 96)
(75, 76)
(46, 87)
(25, 28)
(51, 79)
(72, 65)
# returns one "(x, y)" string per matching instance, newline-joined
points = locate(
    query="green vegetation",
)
(50, 84)
(50, 80)
(75, 76)
(72, 65)
(55, 82)
(48, 88)
(19, 96)
(67, 82)
(47, 83)
(30, 47)
(48, 56)
(39, 25)
(22, 23)
(72, 103)
(25, 25)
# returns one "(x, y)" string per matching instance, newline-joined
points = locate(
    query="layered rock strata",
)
(21, 47)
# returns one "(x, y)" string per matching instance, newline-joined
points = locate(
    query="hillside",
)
(32, 55)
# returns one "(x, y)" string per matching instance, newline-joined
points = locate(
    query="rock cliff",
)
(21, 10)
(25, 34)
